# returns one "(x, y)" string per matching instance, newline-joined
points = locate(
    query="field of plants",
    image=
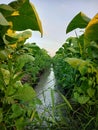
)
(76, 71)
(21, 64)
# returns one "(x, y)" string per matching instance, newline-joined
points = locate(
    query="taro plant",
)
(17, 101)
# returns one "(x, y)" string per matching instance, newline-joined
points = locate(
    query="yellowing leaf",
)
(10, 32)
(16, 13)
(38, 20)
(91, 31)
(13, 46)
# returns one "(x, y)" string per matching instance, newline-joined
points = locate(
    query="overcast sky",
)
(55, 16)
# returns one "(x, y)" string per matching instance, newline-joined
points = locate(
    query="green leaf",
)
(6, 75)
(23, 36)
(6, 9)
(3, 55)
(26, 17)
(22, 60)
(91, 92)
(25, 93)
(91, 31)
(17, 111)
(79, 64)
(10, 39)
(66, 101)
(3, 21)
(79, 21)
(75, 62)
(20, 123)
(52, 97)
(72, 50)
(82, 99)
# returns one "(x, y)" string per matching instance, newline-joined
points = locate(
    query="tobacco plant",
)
(17, 101)
(81, 53)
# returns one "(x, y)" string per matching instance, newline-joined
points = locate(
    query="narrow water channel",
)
(43, 89)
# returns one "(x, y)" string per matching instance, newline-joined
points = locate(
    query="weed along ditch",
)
(51, 107)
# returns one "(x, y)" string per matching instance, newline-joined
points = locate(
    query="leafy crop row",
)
(76, 71)
(17, 98)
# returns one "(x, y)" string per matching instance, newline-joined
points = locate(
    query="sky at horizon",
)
(55, 15)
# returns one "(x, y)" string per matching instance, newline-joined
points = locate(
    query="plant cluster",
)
(76, 70)
(41, 63)
(17, 100)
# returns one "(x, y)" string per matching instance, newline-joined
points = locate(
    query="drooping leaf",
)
(91, 31)
(24, 35)
(27, 17)
(79, 21)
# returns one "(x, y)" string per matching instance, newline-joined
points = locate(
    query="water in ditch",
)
(48, 111)
(46, 89)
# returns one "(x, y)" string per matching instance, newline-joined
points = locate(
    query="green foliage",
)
(91, 30)
(25, 16)
(17, 100)
(33, 70)
(78, 59)
(79, 21)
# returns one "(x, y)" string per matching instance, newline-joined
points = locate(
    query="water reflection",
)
(43, 89)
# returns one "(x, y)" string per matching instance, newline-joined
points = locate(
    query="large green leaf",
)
(25, 17)
(91, 31)
(79, 21)
(25, 93)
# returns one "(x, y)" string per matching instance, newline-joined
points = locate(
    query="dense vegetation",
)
(33, 70)
(76, 71)
(21, 64)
